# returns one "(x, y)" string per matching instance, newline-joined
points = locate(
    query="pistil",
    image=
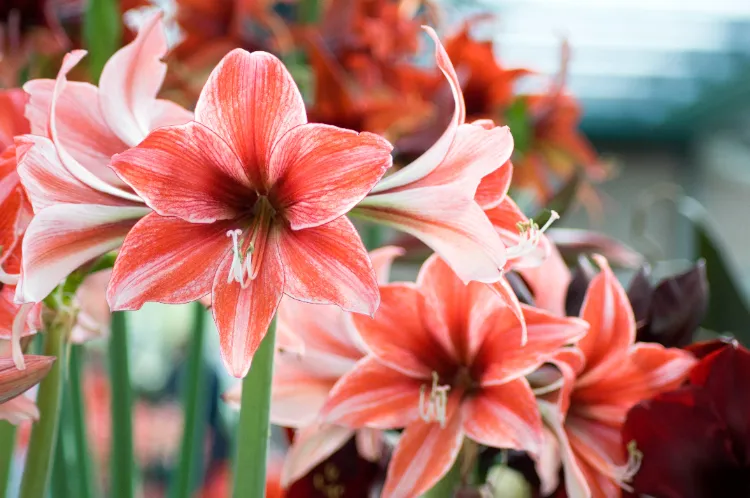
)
(530, 235)
(433, 408)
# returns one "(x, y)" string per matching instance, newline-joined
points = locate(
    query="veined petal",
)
(14, 382)
(311, 446)
(425, 453)
(242, 315)
(167, 260)
(62, 237)
(397, 334)
(612, 325)
(48, 182)
(186, 171)
(373, 395)
(130, 80)
(382, 259)
(328, 264)
(431, 159)
(319, 172)
(449, 222)
(504, 416)
(251, 101)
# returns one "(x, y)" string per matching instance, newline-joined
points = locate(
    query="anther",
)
(433, 408)
(237, 270)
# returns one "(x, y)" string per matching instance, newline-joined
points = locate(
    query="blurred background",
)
(631, 116)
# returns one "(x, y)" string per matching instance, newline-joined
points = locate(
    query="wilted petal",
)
(167, 260)
(229, 105)
(312, 445)
(329, 264)
(14, 382)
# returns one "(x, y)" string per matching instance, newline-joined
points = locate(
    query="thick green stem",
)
(36, 475)
(7, 447)
(373, 235)
(122, 468)
(77, 425)
(448, 485)
(194, 412)
(254, 430)
(61, 484)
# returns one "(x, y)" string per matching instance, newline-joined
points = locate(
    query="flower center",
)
(531, 235)
(247, 252)
(433, 408)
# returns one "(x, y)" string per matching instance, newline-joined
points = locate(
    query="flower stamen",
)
(433, 408)
(530, 236)
(238, 268)
(627, 472)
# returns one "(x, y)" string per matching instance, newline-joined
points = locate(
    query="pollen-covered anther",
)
(237, 270)
(627, 472)
(433, 408)
(530, 236)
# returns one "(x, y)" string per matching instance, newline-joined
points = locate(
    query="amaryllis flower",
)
(249, 202)
(601, 380)
(317, 345)
(433, 198)
(82, 208)
(695, 441)
(448, 362)
(14, 407)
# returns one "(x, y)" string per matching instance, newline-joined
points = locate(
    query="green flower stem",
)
(77, 424)
(194, 392)
(36, 475)
(61, 484)
(254, 430)
(7, 447)
(122, 460)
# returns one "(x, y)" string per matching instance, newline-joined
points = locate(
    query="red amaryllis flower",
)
(82, 208)
(601, 380)
(448, 361)
(249, 202)
(695, 441)
(436, 199)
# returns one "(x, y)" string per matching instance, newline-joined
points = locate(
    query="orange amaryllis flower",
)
(324, 346)
(82, 208)
(602, 379)
(14, 382)
(433, 198)
(250, 202)
(447, 363)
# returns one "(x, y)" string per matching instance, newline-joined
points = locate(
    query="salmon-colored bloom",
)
(14, 382)
(82, 208)
(317, 345)
(433, 198)
(447, 362)
(249, 202)
(601, 380)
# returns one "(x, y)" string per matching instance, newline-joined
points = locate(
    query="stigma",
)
(530, 236)
(433, 408)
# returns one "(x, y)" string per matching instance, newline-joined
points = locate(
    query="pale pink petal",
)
(311, 446)
(12, 121)
(548, 282)
(504, 416)
(243, 315)
(298, 394)
(167, 113)
(382, 260)
(251, 101)
(329, 264)
(318, 172)
(373, 395)
(494, 187)
(599, 451)
(94, 315)
(62, 237)
(167, 260)
(431, 159)
(187, 171)
(505, 218)
(18, 410)
(449, 222)
(370, 444)
(425, 453)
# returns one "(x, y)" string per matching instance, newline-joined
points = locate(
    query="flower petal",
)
(504, 416)
(167, 260)
(18, 410)
(599, 452)
(549, 282)
(425, 453)
(382, 259)
(312, 445)
(494, 187)
(186, 171)
(449, 222)
(373, 395)
(130, 80)
(329, 264)
(243, 315)
(14, 382)
(319, 172)
(12, 120)
(251, 101)
(298, 394)
(505, 218)
(62, 237)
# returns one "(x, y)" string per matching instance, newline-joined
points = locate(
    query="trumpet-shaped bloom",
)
(601, 380)
(249, 204)
(317, 345)
(82, 208)
(433, 198)
(447, 362)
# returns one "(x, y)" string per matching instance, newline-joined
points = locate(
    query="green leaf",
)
(727, 305)
(519, 121)
(102, 32)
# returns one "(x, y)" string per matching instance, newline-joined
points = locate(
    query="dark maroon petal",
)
(583, 274)
(704, 348)
(520, 288)
(640, 293)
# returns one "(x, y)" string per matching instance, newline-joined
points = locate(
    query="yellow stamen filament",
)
(433, 408)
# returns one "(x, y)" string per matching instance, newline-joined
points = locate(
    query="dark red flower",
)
(695, 441)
